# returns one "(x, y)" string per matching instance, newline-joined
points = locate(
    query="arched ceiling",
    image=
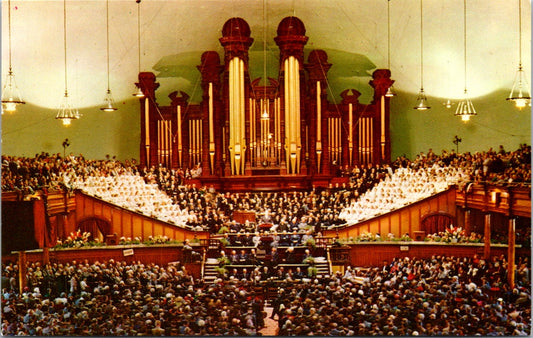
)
(174, 34)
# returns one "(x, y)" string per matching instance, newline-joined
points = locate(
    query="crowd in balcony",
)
(434, 296)
(161, 193)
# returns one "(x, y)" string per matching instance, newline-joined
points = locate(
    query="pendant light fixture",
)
(421, 99)
(390, 91)
(448, 104)
(520, 93)
(138, 90)
(109, 103)
(66, 112)
(465, 108)
(10, 94)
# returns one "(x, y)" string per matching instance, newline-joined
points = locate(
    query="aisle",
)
(271, 326)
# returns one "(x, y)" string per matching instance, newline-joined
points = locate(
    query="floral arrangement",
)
(159, 240)
(78, 239)
(368, 237)
(127, 240)
(454, 235)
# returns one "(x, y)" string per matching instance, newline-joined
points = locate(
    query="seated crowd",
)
(159, 192)
(435, 296)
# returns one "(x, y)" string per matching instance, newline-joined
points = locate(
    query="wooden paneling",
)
(161, 255)
(127, 223)
(403, 220)
(374, 254)
(508, 200)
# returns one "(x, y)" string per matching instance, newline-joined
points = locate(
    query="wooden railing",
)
(510, 200)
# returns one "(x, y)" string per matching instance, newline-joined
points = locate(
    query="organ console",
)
(251, 135)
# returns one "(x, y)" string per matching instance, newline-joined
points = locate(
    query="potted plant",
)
(312, 271)
(222, 271)
(309, 260)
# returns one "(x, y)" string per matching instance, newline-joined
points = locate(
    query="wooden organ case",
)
(280, 135)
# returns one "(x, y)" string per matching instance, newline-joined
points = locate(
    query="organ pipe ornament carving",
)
(284, 126)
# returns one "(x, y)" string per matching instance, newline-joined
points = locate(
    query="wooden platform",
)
(271, 182)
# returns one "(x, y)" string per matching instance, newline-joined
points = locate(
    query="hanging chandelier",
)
(465, 108)
(421, 99)
(10, 94)
(520, 93)
(138, 90)
(109, 103)
(390, 91)
(66, 112)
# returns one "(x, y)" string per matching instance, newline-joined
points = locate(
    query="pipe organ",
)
(275, 127)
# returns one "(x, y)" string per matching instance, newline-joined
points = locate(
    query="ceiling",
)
(174, 34)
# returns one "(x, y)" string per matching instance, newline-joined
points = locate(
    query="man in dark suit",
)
(290, 256)
(243, 257)
(233, 257)
(275, 257)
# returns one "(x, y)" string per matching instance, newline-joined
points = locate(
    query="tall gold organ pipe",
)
(191, 144)
(159, 141)
(211, 130)
(383, 127)
(180, 145)
(292, 116)
(200, 138)
(251, 119)
(231, 114)
(242, 112)
(318, 124)
(147, 130)
(278, 128)
(350, 131)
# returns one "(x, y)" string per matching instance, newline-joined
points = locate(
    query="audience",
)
(435, 296)
(160, 192)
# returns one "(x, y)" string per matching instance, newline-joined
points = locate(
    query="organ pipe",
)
(147, 130)
(382, 118)
(292, 114)
(237, 110)
(350, 131)
(180, 145)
